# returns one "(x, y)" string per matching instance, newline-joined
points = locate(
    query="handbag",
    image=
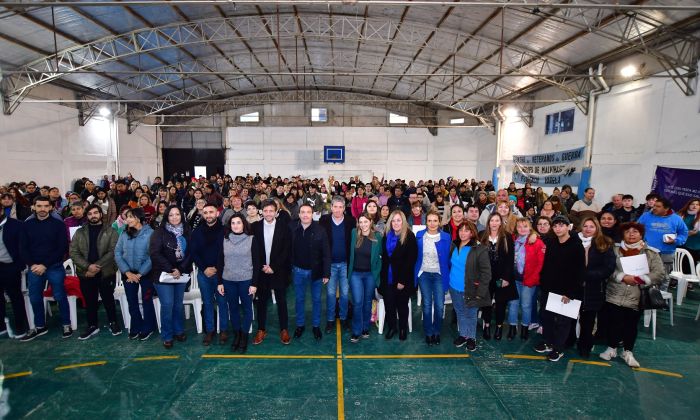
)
(650, 298)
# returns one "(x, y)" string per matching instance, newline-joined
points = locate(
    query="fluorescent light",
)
(511, 112)
(397, 119)
(457, 121)
(629, 71)
(105, 112)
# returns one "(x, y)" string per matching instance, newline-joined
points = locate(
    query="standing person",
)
(43, 243)
(311, 267)
(399, 254)
(432, 274)
(11, 267)
(237, 277)
(358, 202)
(623, 292)
(207, 242)
(456, 218)
(564, 264)
(609, 226)
(600, 264)
(339, 228)
(502, 286)
(171, 253)
(364, 268)
(529, 257)
(470, 275)
(134, 261)
(92, 252)
(273, 240)
(690, 213)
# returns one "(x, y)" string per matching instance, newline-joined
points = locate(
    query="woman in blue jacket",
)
(133, 259)
(432, 274)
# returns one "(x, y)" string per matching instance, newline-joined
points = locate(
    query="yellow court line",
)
(589, 362)
(263, 356)
(79, 365)
(147, 358)
(15, 375)
(408, 356)
(524, 356)
(338, 338)
(659, 372)
(341, 390)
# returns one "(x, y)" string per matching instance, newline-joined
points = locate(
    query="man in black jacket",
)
(11, 267)
(272, 236)
(311, 264)
(564, 263)
(339, 230)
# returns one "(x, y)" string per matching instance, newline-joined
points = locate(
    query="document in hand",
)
(554, 304)
(168, 278)
(636, 265)
(72, 231)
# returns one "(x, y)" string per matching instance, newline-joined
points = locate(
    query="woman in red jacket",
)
(358, 202)
(529, 257)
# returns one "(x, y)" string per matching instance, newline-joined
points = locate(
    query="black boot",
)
(487, 332)
(236, 341)
(524, 332)
(244, 343)
(512, 332)
(499, 332)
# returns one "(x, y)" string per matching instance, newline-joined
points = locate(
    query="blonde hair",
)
(526, 221)
(360, 236)
(404, 225)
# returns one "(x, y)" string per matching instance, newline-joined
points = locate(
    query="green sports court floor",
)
(111, 377)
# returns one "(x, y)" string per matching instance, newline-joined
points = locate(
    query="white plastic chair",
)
(120, 296)
(72, 300)
(381, 314)
(193, 297)
(697, 270)
(27, 302)
(678, 274)
(650, 314)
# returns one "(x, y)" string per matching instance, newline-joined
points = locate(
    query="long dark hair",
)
(227, 228)
(684, 211)
(501, 241)
(166, 214)
(138, 214)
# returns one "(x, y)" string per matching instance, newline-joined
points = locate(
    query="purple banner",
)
(678, 185)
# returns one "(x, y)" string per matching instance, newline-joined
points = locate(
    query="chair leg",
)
(274, 299)
(381, 314)
(680, 291)
(187, 311)
(156, 306)
(697, 316)
(197, 306)
(670, 306)
(647, 318)
(73, 306)
(410, 316)
(30, 312)
(653, 324)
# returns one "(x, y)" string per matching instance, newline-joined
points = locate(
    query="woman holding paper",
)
(623, 291)
(600, 264)
(171, 259)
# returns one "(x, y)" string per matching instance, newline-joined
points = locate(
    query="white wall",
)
(638, 126)
(410, 153)
(44, 143)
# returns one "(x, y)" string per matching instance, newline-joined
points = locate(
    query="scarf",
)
(520, 253)
(628, 250)
(585, 241)
(454, 230)
(181, 242)
(586, 202)
(391, 241)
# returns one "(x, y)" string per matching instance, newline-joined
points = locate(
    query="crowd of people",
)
(498, 253)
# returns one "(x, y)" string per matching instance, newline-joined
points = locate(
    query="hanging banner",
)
(549, 169)
(678, 185)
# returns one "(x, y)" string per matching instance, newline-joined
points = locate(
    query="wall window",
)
(560, 122)
(319, 114)
(397, 119)
(252, 117)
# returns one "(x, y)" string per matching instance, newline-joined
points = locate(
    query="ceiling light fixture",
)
(105, 112)
(629, 71)
(511, 112)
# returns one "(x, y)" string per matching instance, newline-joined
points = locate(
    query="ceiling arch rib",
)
(340, 27)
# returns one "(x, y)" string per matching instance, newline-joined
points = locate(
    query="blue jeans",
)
(338, 279)
(146, 323)
(432, 292)
(363, 285)
(524, 302)
(466, 317)
(172, 314)
(236, 294)
(302, 280)
(207, 288)
(55, 275)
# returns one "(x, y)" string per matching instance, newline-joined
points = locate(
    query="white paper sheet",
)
(168, 278)
(417, 228)
(636, 265)
(72, 231)
(571, 309)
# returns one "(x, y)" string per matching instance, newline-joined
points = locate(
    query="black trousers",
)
(104, 287)
(622, 326)
(486, 314)
(396, 301)
(11, 283)
(585, 338)
(555, 327)
(264, 296)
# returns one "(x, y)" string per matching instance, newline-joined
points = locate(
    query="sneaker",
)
(145, 336)
(32, 334)
(628, 357)
(533, 326)
(89, 332)
(354, 338)
(259, 337)
(67, 331)
(133, 335)
(543, 348)
(554, 356)
(115, 329)
(460, 341)
(284, 337)
(365, 334)
(471, 344)
(609, 354)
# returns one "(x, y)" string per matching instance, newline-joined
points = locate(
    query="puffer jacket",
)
(477, 278)
(627, 296)
(80, 248)
(132, 254)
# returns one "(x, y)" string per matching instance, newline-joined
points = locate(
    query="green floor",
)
(489, 384)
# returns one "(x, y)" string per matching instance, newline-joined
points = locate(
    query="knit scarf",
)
(586, 202)
(585, 241)
(181, 242)
(520, 253)
(391, 241)
(628, 250)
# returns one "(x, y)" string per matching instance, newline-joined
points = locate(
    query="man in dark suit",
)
(11, 268)
(273, 238)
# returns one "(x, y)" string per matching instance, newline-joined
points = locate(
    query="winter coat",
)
(106, 242)
(503, 270)
(162, 249)
(375, 258)
(402, 262)
(621, 294)
(600, 266)
(132, 254)
(443, 251)
(477, 277)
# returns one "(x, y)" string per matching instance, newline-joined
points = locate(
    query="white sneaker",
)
(533, 326)
(609, 354)
(628, 357)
